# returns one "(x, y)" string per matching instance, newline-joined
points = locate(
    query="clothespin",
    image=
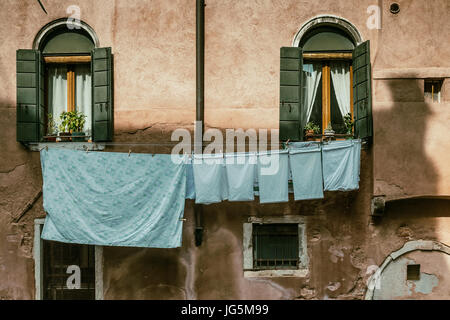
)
(46, 148)
(129, 152)
(183, 219)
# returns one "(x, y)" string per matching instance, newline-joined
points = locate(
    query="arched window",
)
(327, 89)
(66, 74)
(324, 79)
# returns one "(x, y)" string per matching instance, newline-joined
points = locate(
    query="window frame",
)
(38, 256)
(326, 58)
(69, 61)
(437, 83)
(248, 259)
(259, 249)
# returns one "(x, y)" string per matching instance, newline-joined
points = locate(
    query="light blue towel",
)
(341, 163)
(190, 186)
(113, 199)
(300, 145)
(273, 168)
(240, 169)
(210, 178)
(306, 165)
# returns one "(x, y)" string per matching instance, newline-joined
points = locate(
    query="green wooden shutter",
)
(291, 68)
(30, 96)
(102, 95)
(362, 93)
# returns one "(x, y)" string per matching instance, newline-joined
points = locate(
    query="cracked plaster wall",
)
(154, 58)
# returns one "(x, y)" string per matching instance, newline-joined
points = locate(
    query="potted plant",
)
(76, 121)
(52, 129)
(348, 124)
(64, 132)
(329, 130)
(311, 129)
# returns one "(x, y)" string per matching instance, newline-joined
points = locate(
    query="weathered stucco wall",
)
(154, 72)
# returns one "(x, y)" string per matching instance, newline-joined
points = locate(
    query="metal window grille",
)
(57, 258)
(275, 246)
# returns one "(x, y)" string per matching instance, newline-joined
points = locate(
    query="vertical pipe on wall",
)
(200, 104)
(200, 63)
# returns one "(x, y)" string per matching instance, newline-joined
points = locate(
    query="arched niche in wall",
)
(343, 33)
(62, 36)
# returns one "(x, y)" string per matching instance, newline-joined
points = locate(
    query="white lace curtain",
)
(340, 75)
(312, 74)
(57, 91)
(83, 94)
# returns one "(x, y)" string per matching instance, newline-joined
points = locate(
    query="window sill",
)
(299, 273)
(89, 146)
(328, 137)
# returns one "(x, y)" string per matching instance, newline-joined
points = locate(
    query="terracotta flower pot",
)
(50, 138)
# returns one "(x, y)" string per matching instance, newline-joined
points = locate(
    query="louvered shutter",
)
(362, 93)
(30, 96)
(102, 95)
(291, 68)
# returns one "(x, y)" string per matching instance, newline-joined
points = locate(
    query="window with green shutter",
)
(325, 84)
(66, 74)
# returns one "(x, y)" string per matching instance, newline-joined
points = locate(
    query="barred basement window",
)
(63, 261)
(275, 246)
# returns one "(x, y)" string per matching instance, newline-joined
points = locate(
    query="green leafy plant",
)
(52, 128)
(348, 123)
(72, 121)
(311, 126)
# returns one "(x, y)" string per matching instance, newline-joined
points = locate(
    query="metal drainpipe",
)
(200, 103)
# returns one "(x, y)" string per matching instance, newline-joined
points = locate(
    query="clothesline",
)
(312, 168)
(114, 199)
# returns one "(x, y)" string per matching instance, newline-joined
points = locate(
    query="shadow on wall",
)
(402, 168)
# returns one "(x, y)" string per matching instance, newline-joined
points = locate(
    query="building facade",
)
(387, 240)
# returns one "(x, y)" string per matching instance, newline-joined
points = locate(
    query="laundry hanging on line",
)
(113, 199)
(341, 165)
(210, 179)
(273, 173)
(241, 170)
(306, 167)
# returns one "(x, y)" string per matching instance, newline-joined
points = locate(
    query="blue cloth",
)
(190, 186)
(210, 178)
(306, 166)
(113, 199)
(273, 171)
(341, 165)
(240, 169)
